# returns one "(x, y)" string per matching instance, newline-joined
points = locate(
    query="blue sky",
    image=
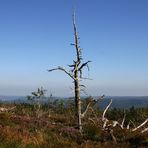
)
(35, 35)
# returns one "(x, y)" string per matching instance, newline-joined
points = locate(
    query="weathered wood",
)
(76, 74)
(109, 125)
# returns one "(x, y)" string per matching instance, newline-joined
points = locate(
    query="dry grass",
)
(21, 128)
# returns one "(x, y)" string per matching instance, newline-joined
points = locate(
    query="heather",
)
(54, 125)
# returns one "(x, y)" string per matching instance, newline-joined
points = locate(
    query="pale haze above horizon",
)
(35, 35)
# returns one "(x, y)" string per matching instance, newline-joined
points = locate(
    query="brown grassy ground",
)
(22, 128)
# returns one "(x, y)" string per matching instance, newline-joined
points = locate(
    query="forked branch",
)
(87, 108)
(84, 64)
(91, 103)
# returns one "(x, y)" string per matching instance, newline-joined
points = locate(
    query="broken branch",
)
(140, 125)
(87, 107)
(122, 124)
(103, 116)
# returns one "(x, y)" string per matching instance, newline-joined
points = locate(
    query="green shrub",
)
(92, 132)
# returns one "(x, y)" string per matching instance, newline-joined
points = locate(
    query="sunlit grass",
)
(56, 128)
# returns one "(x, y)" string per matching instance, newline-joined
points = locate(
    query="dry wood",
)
(76, 74)
(142, 124)
(109, 125)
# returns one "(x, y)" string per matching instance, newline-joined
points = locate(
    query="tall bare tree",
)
(75, 73)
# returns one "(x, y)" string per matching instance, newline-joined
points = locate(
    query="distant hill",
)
(10, 98)
(118, 101)
(125, 101)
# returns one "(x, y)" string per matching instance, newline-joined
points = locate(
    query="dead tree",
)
(75, 73)
(109, 125)
(4, 109)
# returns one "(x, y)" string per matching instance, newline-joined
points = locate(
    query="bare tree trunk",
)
(78, 101)
(76, 74)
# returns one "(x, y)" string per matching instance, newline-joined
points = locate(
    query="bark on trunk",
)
(78, 101)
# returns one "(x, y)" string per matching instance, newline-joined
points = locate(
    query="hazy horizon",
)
(36, 36)
(48, 95)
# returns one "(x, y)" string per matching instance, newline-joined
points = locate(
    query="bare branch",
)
(82, 86)
(84, 64)
(64, 70)
(105, 120)
(145, 130)
(86, 78)
(140, 125)
(3, 109)
(71, 65)
(73, 44)
(81, 67)
(115, 123)
(128, 126)
(103, 116)
(78, 50)
(101, 97)
(84, 113)
(87, 107)
(122, 124)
